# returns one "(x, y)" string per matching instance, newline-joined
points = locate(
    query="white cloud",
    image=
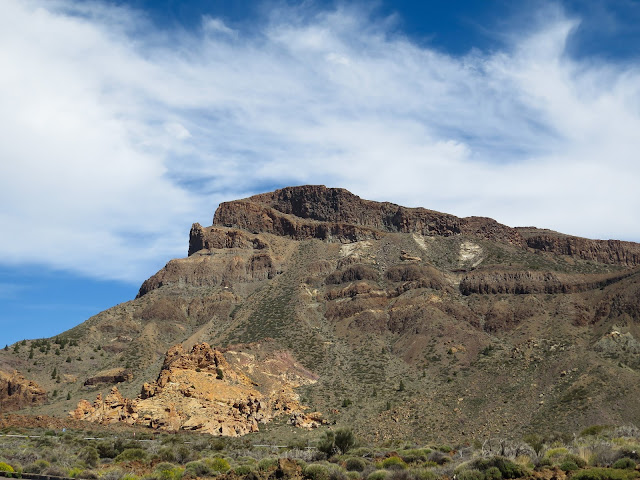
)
(118, 136)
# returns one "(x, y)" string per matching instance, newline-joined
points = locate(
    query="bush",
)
(131, 454)
(473, 474)
(578, 460)
(168, 471)
(625, 463)
(243, 470)
(74, 472)
(377, 475)
(5, 467)
(196, 469)
(604, 474)
(393, 463)
(593, 430)
(507, 468)
(316, 472)
(89, 455)
(493, 473)
(354, 464)
(417, 455)
(267, 464)
(217, 464)
(344, 440)
(568, 466)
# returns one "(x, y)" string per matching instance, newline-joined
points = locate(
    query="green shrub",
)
(593, 430)
(217, 464)
(604, 474)
(416, 455)
(131, 454)
(168, 471)
(568, 466)
(89, 455)
(393, 463)
(578, 460)
(344, 440)
(473, 474)
(422, 474)
(316, 472)
(355, 464)
(5, 467)
(493, 473)
(555, 454)
(196, 469)
(165, 454)
(74, 472)
(243, 470)
(129, 476)
(507, 468)
(378, 475)
(625, 463)
(267, 464)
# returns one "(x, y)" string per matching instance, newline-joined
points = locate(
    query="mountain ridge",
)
(489, 330)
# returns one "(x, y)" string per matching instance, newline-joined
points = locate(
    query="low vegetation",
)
(598, 454)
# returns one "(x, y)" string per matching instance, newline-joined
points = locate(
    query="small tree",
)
(344, 440)
(54, 374)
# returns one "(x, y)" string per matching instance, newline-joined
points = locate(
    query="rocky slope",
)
(412, 323)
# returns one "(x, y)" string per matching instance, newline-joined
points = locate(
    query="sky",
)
(123, 122)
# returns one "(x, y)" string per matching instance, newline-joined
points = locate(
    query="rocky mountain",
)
(399, 322)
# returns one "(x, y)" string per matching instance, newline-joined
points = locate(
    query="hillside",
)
(411, 323)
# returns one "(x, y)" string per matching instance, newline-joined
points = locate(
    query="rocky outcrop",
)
(17, 392)
(315, 211)
(614, 252)
(116, 375)
(527, 282)
(213, 237)
(200, 390)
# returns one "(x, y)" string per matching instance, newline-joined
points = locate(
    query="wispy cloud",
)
(116, 135)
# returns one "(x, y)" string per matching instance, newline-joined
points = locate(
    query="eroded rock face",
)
(200, 390)
(17, 392)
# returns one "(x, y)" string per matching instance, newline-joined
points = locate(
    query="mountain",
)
(399, 322)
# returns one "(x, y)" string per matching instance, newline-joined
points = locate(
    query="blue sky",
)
(124, 122)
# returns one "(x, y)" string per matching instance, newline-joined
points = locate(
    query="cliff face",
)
(335, 214)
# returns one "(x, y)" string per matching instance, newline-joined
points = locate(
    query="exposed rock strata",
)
(334, 214)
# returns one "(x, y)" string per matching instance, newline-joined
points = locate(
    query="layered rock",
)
(334, 214)
(199, 390)
(614, 252)
(527, 282)
(314, 211)
(17, 392)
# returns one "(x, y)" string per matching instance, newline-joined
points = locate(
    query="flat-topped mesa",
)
(315, 211)
(335, 214)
